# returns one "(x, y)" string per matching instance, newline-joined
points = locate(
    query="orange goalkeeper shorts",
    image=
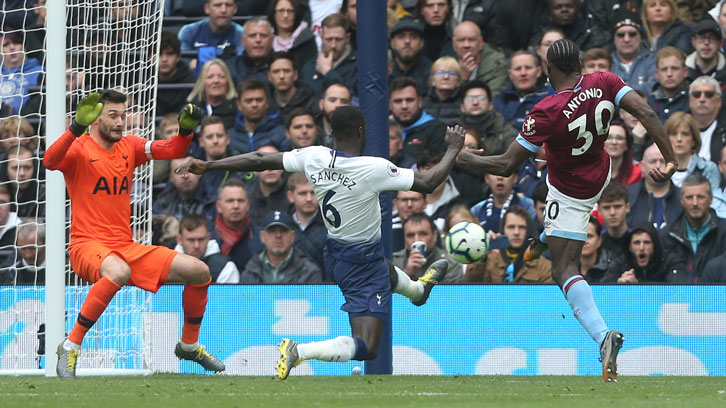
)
(149, 264)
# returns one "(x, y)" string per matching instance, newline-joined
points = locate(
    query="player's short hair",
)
(211, 120)
(429, 157)
(345, 122)
(170, 42)
(670, 51)
(258, 20)
(537, 60)
(515, 210)
(614, 191)
(597, 53)
(705, 80)
(696, 179)
(684, 118)
(336, 20)
(252, 84)
(278, 55)
(420, 217)
(192, 221)
(297, 9)
(295, 179)
(475, 84)
(540, 191)
(299, 111)
(113, 96)
(231, 182)
(402, 82)
(565, 56)
(463, 211)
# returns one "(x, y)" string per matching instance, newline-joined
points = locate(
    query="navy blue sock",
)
(361, 351)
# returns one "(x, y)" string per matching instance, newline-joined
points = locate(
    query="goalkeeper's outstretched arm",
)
(252, 161)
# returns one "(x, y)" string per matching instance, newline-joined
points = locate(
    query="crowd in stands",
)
(269, 74)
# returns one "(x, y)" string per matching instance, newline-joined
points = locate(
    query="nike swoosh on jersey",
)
(94, 160)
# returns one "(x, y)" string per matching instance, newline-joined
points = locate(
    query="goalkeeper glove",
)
(87, 112)
(189, 119)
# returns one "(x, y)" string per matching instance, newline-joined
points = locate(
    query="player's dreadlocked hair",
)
(564, 55)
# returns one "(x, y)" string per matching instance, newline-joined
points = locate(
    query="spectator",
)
(641, 139)
(632, 60)
(478, 59)
(405, 204)
(503, 265)
(215, 91)
(292, 32)
(539, 197)
(337, 63)
(443, 98)
(596, 60)
(614, 207)
(469, 181)
(164, 229)
(300, 128)
(172, 70)
(288, 93)
(408, 60)
(420, 227)
(515, 101)
(349, 9)
(565, 15)
(457, 213)
(214, 144)
(267, 192)
(9, 221)
(194, 239)
(595, 260)
(395, 146)
(707, 59)
(310, 230)
(30, 266)
(652, 201)
(698, 235)
(255, 125)
(531, 173)
(438, 201)
(184, 195)
(279, 261)
(335, 95)
(233, 228)
(663, 27)
(491, 211)
(16, 130)
(27, 189)
(477, 112)
(17, 73)
(421, 131)
(545, 40)
(619, 145)
(686, 141)
(670, 93)
(437, 18)
(705, 103)
(604, 14)
(168, 127)
(254, 62)
(514, 22)
(215, 35)
(646, 261)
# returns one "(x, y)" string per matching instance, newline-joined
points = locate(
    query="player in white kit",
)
(347, 187)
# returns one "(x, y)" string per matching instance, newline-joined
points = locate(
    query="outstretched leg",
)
(417, 291)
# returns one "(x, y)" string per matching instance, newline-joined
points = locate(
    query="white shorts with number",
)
(567, 217)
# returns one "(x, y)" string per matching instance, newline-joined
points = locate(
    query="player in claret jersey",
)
(98, 169)
(574, 124)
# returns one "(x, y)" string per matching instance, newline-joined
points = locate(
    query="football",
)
(466, 242)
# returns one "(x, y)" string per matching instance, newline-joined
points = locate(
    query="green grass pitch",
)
(178, 391)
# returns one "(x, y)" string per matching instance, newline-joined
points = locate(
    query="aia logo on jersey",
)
(528, 126)
(113, 188)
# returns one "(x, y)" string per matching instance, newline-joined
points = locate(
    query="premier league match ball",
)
(466, 242)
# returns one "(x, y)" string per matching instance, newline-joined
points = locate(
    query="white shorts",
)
(567, 217)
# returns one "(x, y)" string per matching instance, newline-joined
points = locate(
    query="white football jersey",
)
(347, 189)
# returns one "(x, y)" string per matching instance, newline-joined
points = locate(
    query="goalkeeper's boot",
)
(201, 356)
(67, 359)
(433, 276)
(609, 355)
(289, 358)
(535, 249)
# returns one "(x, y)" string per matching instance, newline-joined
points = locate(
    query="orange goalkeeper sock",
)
(194, 301)
(98, 298)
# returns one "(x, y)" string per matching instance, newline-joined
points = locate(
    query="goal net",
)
(109, 44)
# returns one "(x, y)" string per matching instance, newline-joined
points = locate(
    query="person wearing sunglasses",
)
(705, 104)
(632, 61)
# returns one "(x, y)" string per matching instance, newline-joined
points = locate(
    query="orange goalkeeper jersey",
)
(99, 181)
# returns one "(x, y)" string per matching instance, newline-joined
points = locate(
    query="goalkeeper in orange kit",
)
(98, 168)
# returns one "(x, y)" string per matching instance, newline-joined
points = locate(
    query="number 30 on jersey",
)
(601, 128)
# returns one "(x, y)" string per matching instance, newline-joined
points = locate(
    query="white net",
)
(110, 44)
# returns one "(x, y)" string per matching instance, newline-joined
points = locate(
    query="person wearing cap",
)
(478, 59)
(632, 61)
(280, 262)
(707, 59)
(408, 60)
